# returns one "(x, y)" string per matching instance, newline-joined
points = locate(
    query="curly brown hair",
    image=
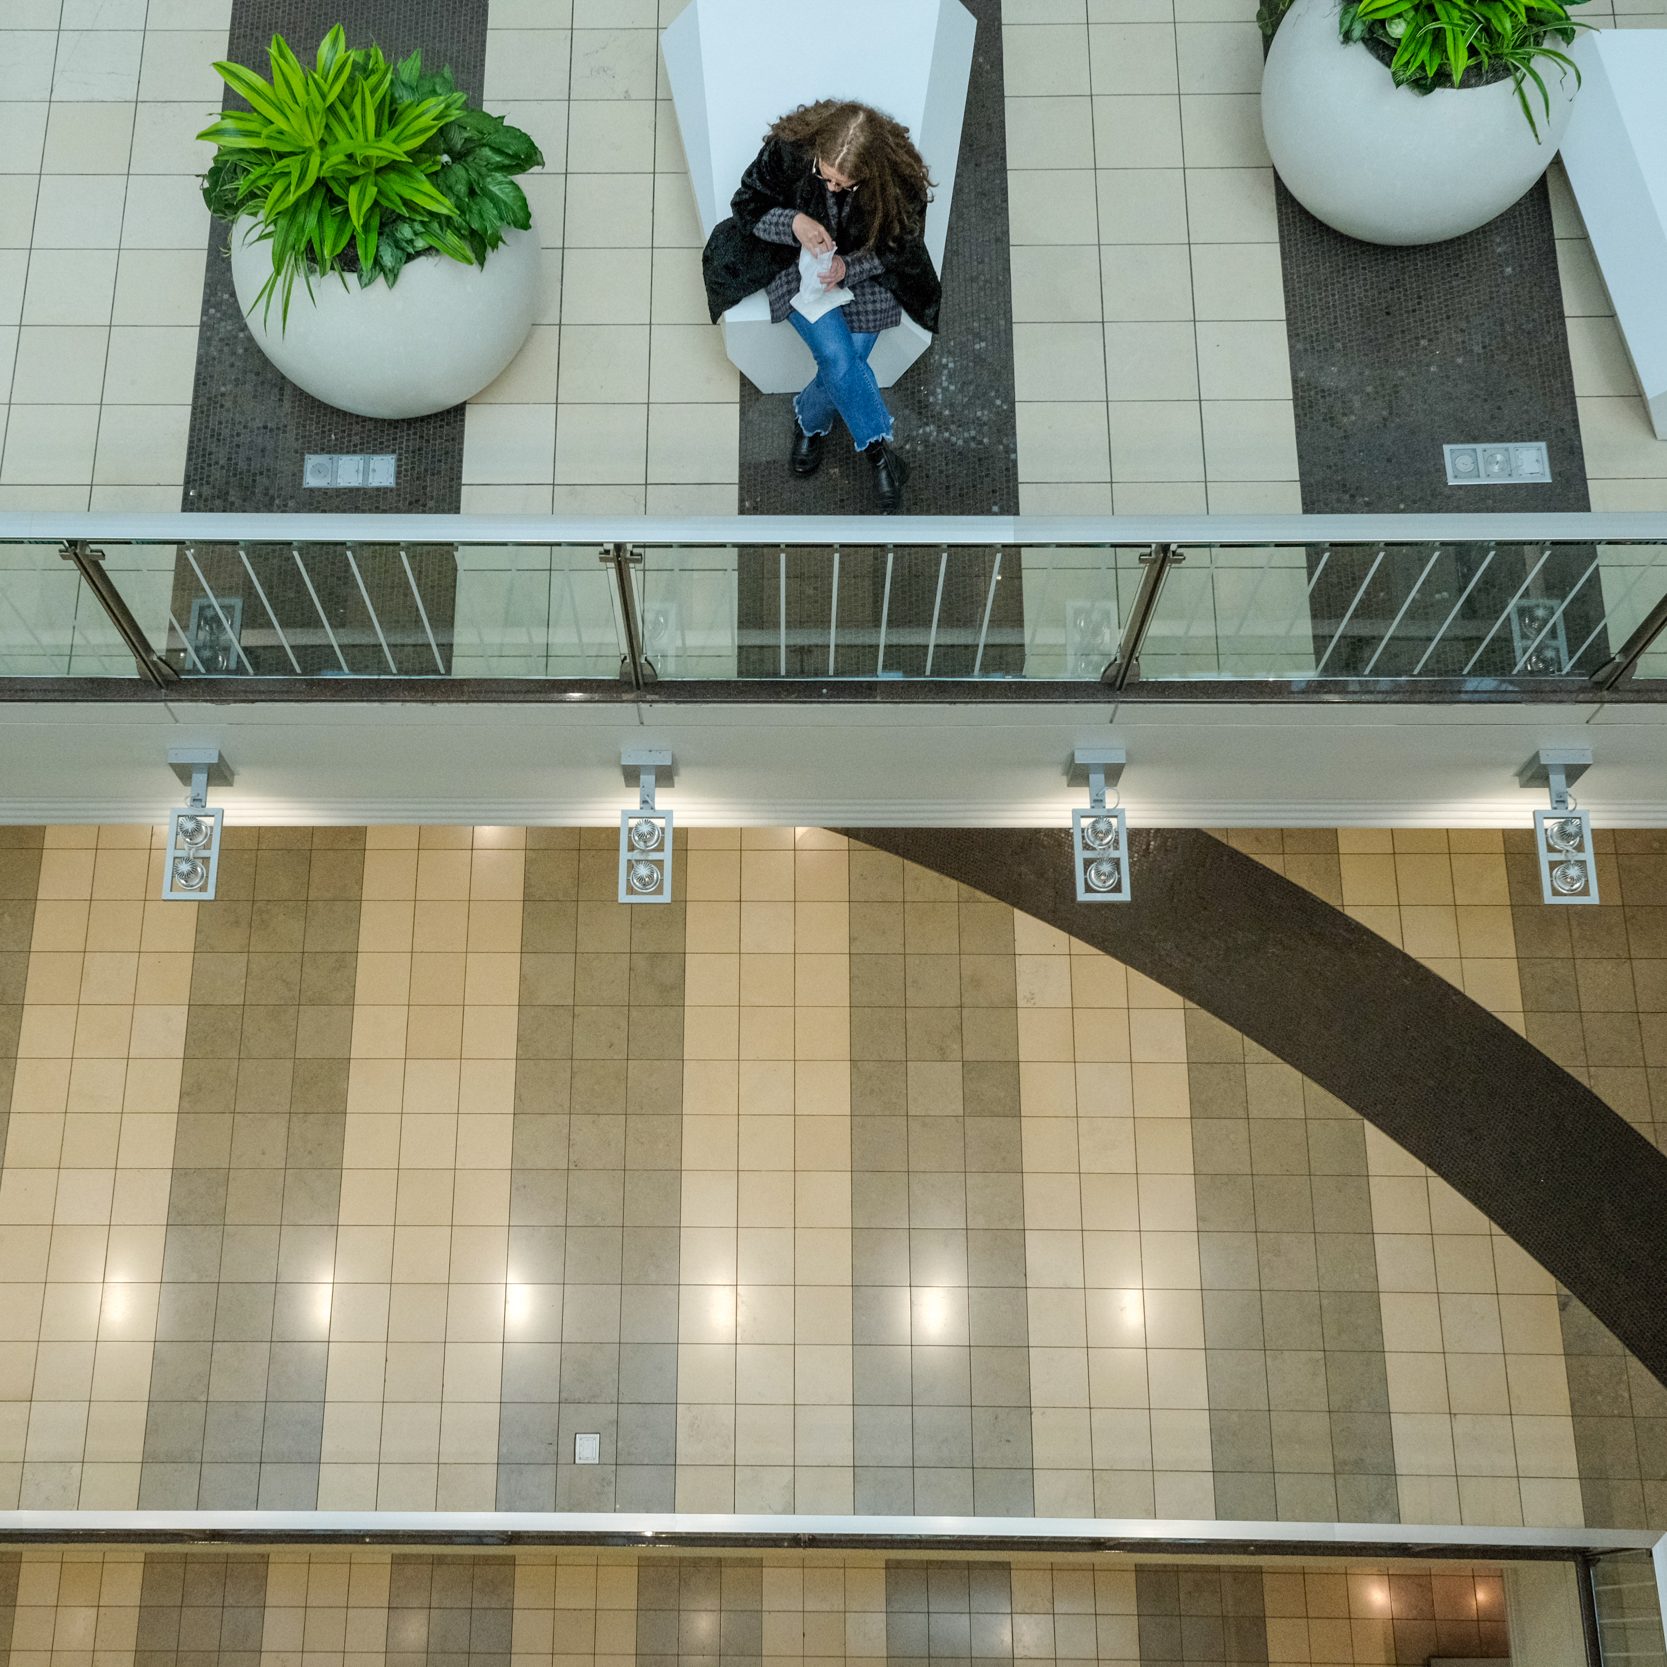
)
(873, 150)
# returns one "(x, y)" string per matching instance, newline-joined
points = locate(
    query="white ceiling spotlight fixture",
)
(191, 863)
(645, 833)
(1562, 834)
(1100, 832)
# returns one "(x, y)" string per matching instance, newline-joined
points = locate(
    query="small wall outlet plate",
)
(1498, 463)
(349, 469)
(587, 1449)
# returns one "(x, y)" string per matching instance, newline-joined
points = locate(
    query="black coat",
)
(737, 263)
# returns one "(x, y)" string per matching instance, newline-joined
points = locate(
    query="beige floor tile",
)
(104, 65)
(1151, 361)
(531, 378)
(1137, 130)
(1223, 130)
(677, 292)
(1131, 11)
(1065, 498)
(693, 444)
(141, 445)
(1155, 440)
(1618, 440)
(1231, 205)
(614, 136)
(1058, 361)
(1249, 440)
(1244, 361)
(1051, 206)
(532, 14)
(151, 365)
(601, 445)
(1060, 442)
(1238, 281)
(1044, 60)
(1050, 133)
(1146, 283)
(165, 137)
(49, 445)
(676, 224)
(1255, 497)
(614, 63)
(14, 276)
(692, 499)
(159, 286)
(86, 138)
(29, 58)
(1584, 294)
(526, 63)
(164, 211)
(509, 444)
(609, 211)
(619, 499)
(1644, 495)
(547, 198)
(1218, 57)
(59, 365)
(81, 212)
(1044, 11)
(687, 365)
(1132, 58)
(1599, 357)
(606, 286)
(1058, 285)
(1144, 497)
(604, 364)
(1142, 205)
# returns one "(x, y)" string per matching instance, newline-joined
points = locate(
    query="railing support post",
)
(1156, 561)
(89, 563)
(1620, 666)
(635, 667)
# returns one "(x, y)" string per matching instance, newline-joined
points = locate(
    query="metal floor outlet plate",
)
(1498, 463)
(346, 469)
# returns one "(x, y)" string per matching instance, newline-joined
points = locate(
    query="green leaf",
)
(253, 90)
(361, 194)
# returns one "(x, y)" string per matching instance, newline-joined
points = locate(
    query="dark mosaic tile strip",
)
(700, 1612)
(937, 1200)
(1297, 1384)
(954, 409)
(1396, 352)
(236, 1414)
(20, 869)
(950, 1612)
(596, 1185)
(1564, 1176)
(201, 1611)
(251, 428)
(1200, 1616)
(459, 1611)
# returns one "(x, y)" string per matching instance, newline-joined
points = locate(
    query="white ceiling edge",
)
(804, 764)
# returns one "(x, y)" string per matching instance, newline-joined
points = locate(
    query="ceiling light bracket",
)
(1097, 769)
(1556, 769)
(199, 768)
(646, 770)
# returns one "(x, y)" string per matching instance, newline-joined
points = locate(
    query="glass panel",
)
(687, 599)
(1628, 1604)
(51, 624)
(1076, 602)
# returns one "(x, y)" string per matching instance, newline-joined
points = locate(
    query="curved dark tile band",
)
(1533, 1149)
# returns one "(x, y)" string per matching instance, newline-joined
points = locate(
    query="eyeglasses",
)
(816, 168)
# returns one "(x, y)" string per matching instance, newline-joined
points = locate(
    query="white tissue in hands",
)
(813, 299)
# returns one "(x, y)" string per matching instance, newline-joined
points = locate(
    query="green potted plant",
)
(381, 249)
(1412, 121)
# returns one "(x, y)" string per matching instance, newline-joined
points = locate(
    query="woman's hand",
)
(835, 275)
(812, 234)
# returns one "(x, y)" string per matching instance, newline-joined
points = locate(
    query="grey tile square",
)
(883, 1435)
(1297, 1380)
(942, 1438)
(943, 1492)
(1240, 1440)
(1001, 1438)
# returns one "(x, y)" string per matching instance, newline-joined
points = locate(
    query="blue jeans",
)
(844, 383)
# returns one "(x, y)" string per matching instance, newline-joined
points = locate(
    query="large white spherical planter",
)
(438, 336)
(1386, 164)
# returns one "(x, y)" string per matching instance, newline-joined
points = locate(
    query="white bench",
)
(736, 65)
(1615, 152)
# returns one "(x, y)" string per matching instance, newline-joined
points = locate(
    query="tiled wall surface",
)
(328, 1608)
(832, 1186)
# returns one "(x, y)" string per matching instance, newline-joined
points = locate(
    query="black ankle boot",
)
(807, 451)
(890, 472)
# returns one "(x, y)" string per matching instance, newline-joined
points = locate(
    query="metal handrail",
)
(47, 526)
